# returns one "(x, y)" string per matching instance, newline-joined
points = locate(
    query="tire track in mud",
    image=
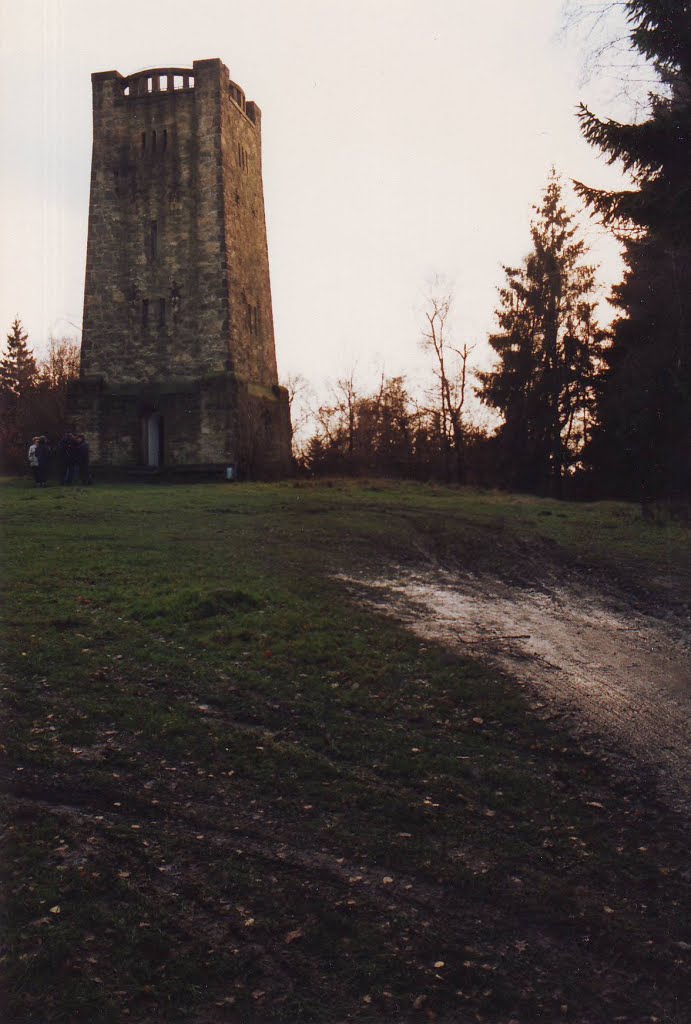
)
(617, 671)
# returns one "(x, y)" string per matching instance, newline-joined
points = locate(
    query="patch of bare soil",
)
(617, 672)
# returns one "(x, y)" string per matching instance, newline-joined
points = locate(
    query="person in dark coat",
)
(68, 459)
(42, 454)
(81, 455)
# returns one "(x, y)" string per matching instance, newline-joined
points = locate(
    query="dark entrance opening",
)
(152, 439)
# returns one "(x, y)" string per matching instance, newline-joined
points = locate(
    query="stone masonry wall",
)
(156, 301)
(252, 346)
(177, 310)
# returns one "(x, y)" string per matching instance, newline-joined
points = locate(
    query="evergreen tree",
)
(643, 447)
(548, 347)
(18, 370)
(18, 377)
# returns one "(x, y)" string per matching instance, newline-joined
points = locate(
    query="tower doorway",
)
(152, 439)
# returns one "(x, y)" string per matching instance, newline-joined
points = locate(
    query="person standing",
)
(33, 458)
(81, 454)
(67, 458)
(42, 455)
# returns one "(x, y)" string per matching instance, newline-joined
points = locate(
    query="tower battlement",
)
(154, 81)
(177, 277)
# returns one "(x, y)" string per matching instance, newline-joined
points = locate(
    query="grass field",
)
(234, 795)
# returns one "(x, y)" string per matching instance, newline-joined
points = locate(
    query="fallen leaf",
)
(55, 910)
(440, 963)
(292, 936)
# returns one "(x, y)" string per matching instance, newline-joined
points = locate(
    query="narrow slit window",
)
(145, 313)
(165, 138)
(253, 319)
(149, 85)
(143, 141)
(153, 142)
(161, 312)
(153, 239)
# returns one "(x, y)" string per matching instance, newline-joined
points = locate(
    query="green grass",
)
(254, 800)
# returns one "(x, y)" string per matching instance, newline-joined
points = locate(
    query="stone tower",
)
(178, 364)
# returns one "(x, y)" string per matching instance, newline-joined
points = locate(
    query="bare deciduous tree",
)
(450, 368)
(61, 363)
(301, 403)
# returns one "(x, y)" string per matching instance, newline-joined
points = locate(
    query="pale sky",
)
(402, 139)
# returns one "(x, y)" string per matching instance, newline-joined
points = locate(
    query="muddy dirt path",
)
(615, 672)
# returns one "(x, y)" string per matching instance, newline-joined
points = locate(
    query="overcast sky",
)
(402, 139)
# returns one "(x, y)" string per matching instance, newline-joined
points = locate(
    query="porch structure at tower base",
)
(181, 426)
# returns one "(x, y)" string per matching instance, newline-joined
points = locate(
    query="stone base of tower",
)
(181, 425)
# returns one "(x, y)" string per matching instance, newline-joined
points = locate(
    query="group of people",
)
(73, 459)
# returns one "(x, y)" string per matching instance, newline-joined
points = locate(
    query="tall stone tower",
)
(178, 364)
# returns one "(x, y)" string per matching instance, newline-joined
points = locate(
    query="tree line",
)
(581, 411)
(33, 393)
